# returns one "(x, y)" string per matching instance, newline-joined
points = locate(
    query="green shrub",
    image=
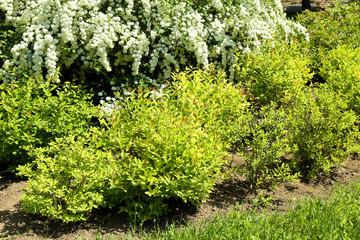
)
(165, 155)
(322, 132)
(341, 70)
(274, 76)
(337, 25)
(34, 113)
(219, 106)
(175, 145)
(151, 148)
(67, 178)
(264, 147)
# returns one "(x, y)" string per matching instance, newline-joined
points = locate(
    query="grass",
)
(313, 218)
(336, 218)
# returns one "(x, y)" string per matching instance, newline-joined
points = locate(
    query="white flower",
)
(217, 4)
(139, 37)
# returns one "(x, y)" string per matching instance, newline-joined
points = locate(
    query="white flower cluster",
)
(139, 36)
(109, 106)
(217, 4)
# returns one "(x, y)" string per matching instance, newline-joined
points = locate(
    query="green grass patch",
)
(314, 218)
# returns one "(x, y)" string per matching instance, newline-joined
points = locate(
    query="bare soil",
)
(17, 224)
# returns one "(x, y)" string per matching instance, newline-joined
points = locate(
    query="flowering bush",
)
(5, 36)
(7, 39)
(144, 38)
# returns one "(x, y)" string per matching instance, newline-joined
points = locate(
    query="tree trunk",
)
(305, 4)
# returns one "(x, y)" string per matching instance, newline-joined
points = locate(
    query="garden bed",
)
(17, 224)
(164, 147)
